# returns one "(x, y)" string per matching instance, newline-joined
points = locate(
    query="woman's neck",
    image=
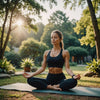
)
(56, 48)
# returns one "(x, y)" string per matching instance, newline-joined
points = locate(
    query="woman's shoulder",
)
(46, 52)
(65, 53)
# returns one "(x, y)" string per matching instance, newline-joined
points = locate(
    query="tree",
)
(61, 22)
(39, 32)
(93, 18)
(84, 27)
(10, 10)
(46, 37)
(58, 20)
(96, 28)
(78, 53)
(32, 48)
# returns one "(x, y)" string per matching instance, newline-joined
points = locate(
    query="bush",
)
(94, 66)
(72, 63)
(32, 48)
(77, 51)
(14, 58)
(6, 66)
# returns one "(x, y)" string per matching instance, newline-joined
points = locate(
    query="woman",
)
(55, 59)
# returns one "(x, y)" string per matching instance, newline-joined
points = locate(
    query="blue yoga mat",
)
(79, 91)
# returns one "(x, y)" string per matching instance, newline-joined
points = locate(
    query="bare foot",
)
(57, 86)
(54, 87)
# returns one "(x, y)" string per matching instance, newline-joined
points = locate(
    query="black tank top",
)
(57, 61)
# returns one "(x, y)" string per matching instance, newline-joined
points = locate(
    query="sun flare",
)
(19, 22)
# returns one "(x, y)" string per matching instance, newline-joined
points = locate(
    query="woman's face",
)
(55, 40)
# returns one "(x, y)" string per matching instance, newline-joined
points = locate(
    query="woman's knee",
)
(29, 80)
(68, 84)
(74, 82)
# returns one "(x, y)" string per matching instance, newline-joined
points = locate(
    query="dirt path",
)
(17, 95)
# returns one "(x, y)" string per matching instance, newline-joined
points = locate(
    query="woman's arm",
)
(69, 71)
(40, 70)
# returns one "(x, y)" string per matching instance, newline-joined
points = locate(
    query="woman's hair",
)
(60, 36)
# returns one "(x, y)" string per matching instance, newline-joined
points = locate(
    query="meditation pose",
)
(55, 59)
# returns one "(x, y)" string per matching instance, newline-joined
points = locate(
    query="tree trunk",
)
(2, 32)
(2, 49)
(96, 29)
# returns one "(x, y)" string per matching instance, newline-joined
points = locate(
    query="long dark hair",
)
(60, 36)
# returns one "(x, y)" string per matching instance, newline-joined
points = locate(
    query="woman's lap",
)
(40, 83)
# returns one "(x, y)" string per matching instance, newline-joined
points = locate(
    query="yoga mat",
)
(18, 86)
(79, 91)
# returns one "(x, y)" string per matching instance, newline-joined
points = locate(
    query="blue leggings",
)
(52, 79)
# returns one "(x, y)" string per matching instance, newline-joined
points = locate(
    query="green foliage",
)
(39, 33)
(84, 26)
(61, 22)
(58, 20)
(29, 47)
(77, 51)
(73, 64)
(6, 66)
(46, 37)
(82, 3)
(70, 40)
(27, 62)
(94, 66)
(32, 48)
(14, 58)
(12, 10)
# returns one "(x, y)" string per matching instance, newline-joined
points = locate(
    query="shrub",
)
(6, 66)
(14, 58)
(72, 63)
(94, 66)
(77, 51)
(32, 48)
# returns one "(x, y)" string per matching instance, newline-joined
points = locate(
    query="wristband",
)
(73, 76)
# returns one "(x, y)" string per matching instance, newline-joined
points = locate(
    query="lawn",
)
(84, 81)
(18, 95)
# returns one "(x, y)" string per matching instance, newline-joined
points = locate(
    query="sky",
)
(72, 14)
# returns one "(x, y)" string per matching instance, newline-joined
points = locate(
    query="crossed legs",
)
(40, 83)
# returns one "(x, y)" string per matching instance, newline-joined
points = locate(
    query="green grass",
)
(13, 79)
(84, 81)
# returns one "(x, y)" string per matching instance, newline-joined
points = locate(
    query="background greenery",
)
(84, 81)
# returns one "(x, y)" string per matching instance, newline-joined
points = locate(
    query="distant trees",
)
(46, 37)
(39, 33)
(59, 21)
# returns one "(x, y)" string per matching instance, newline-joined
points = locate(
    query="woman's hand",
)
(27, 75)
(77, 77)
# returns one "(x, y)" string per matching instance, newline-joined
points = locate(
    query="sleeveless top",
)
(57, 61)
